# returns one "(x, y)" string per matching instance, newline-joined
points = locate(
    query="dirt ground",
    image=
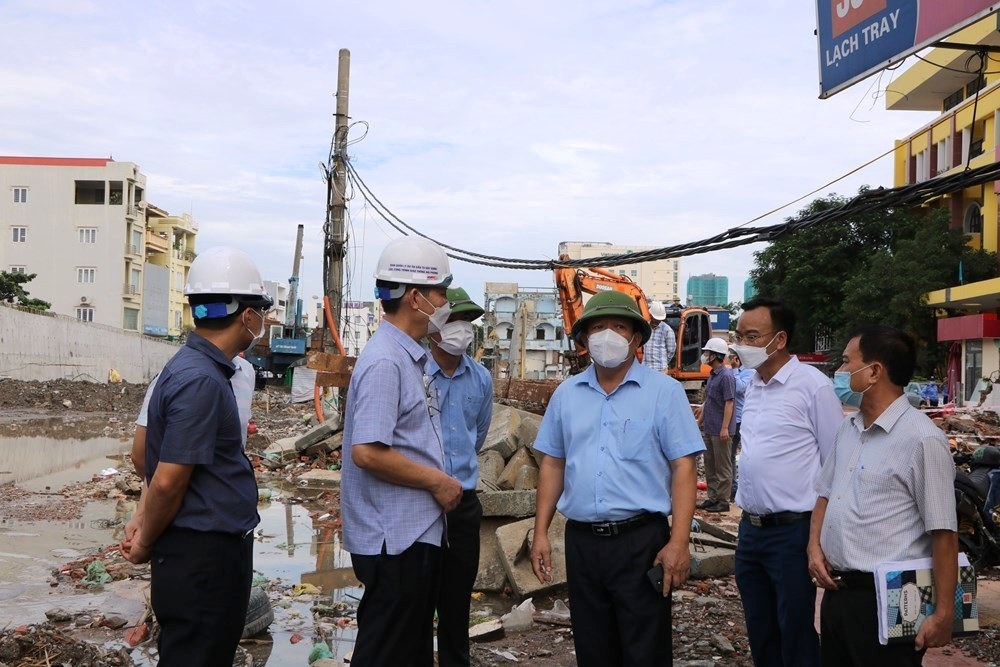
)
(708, 617)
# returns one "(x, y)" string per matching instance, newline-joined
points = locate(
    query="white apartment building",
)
(359, 321)
(79, 224)
(660, 279)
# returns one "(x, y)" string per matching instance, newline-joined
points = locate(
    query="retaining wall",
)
(45, 346)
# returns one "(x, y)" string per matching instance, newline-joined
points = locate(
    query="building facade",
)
(524, 332)
(359, 321)
(966, 132)
(170, 249)
(707, 290)
(79, 224)
(659, 279)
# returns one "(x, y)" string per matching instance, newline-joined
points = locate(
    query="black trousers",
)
(461, 564)
(396, 613)
(200, 586)
(849, 632)
(618, 619)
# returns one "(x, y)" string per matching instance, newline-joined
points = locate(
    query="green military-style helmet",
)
(462, 304)
(612, 304)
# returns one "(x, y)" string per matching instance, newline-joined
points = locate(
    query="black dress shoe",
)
(719, 506)
(705, 503)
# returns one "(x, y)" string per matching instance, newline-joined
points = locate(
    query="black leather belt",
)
(853, 579)
(775, 519)
(612, 528)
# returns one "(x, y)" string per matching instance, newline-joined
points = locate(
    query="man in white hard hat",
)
(201, 497)
(717, 425)
(395, 490)
(659, 351)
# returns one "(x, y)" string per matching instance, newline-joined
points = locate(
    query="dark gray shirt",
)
(721, 387)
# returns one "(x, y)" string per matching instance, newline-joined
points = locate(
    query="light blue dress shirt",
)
(389, 402)
(466, 400)
(618, 446)
(742, 375)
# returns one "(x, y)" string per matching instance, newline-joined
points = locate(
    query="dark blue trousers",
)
(779, 599)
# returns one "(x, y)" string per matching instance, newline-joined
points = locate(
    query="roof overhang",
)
(982, 295)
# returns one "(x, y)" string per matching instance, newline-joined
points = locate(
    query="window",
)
(88, 235)
(18, 269)
(973, 366)
(130, 319)
(20, 195)
(635, 272)
(115, 193)
(540, 333)
(136, 281)
(85, 275)
(178, 280)
(89, 192)
(85, 314)
(177, 319)
(20, 234)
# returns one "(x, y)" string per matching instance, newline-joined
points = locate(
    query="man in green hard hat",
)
(620, 443)
(464, 392)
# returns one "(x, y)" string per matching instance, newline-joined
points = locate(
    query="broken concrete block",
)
(510, 473)
(508, 503)
(486, 631)
(527, 430)
(491, 464)
(712, 562)
(517, 555)
(285, 447)
(502, 435)
(491, 575)
(318, 433)
(527, 478)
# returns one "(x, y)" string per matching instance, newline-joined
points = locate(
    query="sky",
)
(501, 128)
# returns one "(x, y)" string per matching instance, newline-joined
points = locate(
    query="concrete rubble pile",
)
(968, 430)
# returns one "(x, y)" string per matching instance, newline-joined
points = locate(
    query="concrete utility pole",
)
(336, 205)
(292, 314)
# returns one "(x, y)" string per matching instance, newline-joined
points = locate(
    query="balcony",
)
(156, 242)
(130, 290)
(136, 211)
(131, 249)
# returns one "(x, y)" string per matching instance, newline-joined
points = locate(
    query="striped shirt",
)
(660, 347)
(888, 486)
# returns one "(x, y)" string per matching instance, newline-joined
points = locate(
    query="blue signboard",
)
(859, 37)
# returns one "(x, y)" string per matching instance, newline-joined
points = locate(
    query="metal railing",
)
(130, 290)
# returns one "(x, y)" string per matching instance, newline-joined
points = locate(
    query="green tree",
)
(12, 290)
(868, 268)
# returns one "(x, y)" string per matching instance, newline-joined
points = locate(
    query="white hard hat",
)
(717, 345)
(657, 310)
(412, 260)
(230, 274)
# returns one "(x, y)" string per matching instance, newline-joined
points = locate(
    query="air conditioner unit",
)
(84, 299)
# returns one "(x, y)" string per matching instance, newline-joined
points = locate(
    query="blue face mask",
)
(842, 387)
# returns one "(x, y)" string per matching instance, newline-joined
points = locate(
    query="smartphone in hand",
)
(655, 576)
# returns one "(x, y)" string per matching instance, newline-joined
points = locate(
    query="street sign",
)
(860, 37)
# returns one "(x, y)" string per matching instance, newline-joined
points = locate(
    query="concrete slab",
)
(324, 478)
(317, 433)
(502, 435)
(527, 431)
(508, 503)
(712, 562)
(491, 575)
(512, 471)
(517, 561)
(491, 464)
(284, 447)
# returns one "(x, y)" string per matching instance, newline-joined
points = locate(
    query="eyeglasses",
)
(431, 396)
(751, 339)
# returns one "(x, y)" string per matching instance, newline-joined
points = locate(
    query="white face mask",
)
(705, 359)
(751, 356)
(456, 337)
(608, 348)
(438, 317)
(263, 326)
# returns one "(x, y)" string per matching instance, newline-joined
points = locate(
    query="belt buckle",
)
(604, 529)
(755, 520)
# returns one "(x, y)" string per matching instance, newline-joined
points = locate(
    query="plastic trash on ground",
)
(559, 612)
(520, 618)
(97, 574)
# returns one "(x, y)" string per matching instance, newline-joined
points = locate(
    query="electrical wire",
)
(865, 202)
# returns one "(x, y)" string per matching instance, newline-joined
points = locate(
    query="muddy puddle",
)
(297, 544)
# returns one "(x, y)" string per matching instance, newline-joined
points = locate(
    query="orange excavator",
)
(692, 326)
